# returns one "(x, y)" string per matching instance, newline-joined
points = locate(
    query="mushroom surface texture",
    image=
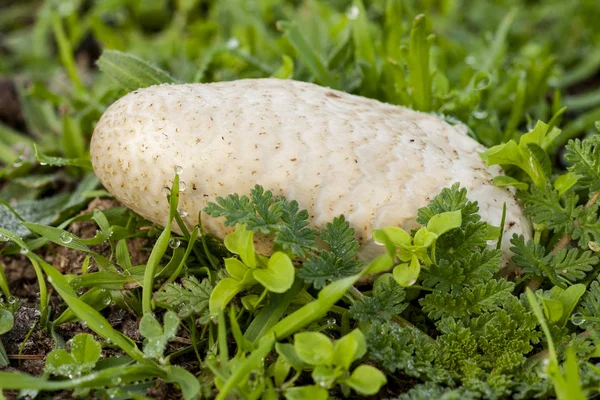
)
(333, 152)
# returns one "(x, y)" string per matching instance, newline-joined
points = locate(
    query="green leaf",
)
(58, 236)
(348, 349)
(7, 321)
(386, 301)
(187, 382)
(85, 352)
(344, 351)
(585, 156)
(444, 222)
(281, 370)
(278, 277)
(286, 70)
(338, 262)
(525, 158)
(408, 273)
(81, 162)
(44, 211)
(222, 294)
(380, 264)
(307, 54)
(313, 348)
(85, 349)
(418, 65)
(158, 336)
(567, 300)
(84, 312)
(294, 235)
(288, 353)
(450, 199)
(236, 268)
(241, 242)
(131, 72)
(553, 309)
(564, 182)
(189, 298)
(314, 310)
(312, 392)
(150, 327)
(392, 237)
(366, 380)
(503, 181)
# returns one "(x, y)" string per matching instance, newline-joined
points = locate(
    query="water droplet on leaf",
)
(233, 43)
(178, 169)
(577, 319)
(166, 191)
(183, 213)
(353, 13)
(25, 251)
(174, 243)
(182, 186)
(66, 237)
(18, 162)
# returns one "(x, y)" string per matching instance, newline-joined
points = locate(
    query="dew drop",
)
(43, 163)
(322, 384)
(178, 169)
(166, 191)
(479, 114)
(12, 300)
(577, 319)
(331, 321)
(183, 213)
(66, 237)
(3, 238)
(233, 43)
(174, 243)
(107, 300)
(470, 60)
(23, 251)
(182, 186)
(564, 271)
(353, 13)
(18, 162)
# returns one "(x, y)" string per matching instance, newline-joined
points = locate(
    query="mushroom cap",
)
(333, 152)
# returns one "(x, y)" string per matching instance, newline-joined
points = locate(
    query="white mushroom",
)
(333, 152)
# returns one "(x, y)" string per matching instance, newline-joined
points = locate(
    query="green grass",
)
(214, 318)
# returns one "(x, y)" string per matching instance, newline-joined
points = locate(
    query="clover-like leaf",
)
(241, 242)
(366, 380)
(406, 274)
(444, 222)
(222, 294)
(311, 392)
(6, 321)
(313, 348)
(82, 358)
(278, 277)
(235, 268)
(158, 336)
